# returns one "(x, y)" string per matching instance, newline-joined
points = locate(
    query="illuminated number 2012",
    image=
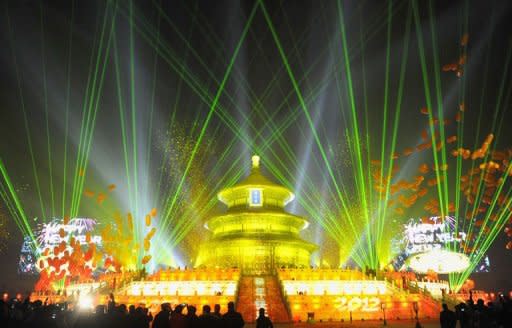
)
(366, 304)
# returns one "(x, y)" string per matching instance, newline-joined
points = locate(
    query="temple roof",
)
(256, 177)
(256, 180)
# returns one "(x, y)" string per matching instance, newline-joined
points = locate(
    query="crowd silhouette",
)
(26, 314)
(478, 315)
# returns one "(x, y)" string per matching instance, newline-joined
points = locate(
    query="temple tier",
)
(256, 234)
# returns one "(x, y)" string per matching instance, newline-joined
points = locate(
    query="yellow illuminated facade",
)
(181, 288)
(335, 287)
(256, 234)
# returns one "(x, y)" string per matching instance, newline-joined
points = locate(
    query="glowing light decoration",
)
(438, 232)
(422, 236)
(255, 197)
(84, 289)
(48, 236)
(85, 302)
(78, 227)
(434, 288)
(363, 304)
(259, 294)
(181, 288)
(335, 287)
(440, 261)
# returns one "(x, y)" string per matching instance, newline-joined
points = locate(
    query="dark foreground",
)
(366, 324)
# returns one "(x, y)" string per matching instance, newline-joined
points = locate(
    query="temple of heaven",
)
(256, 234)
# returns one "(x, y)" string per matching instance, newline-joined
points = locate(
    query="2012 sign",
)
(364, 304)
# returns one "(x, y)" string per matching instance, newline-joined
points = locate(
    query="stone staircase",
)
(255, 292)
(245, 298)
(429, 307)
(276, 308)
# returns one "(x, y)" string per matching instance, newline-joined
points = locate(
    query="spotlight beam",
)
(304, 108)
(212, 109)
(45, 104)
(90, 108)
(25, 119)
(66, 129)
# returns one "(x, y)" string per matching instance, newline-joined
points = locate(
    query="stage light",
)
(85, 302)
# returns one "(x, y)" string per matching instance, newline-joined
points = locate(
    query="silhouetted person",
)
(100, 318)
(505, 315)
(111, 305)
(232, 319)
(142, 319)
(178, 320)
(463, 315)
(216, 311)
(207, 320)
(133, 319)
(192, 318)
(4, 313)
(162, 318)
(492, 314)
(120, 317)
(263, 321)
(447, 318)
(148, 314)
(481, 314)
(469, 315)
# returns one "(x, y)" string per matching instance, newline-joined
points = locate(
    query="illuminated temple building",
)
(256, 258)
(256, 234)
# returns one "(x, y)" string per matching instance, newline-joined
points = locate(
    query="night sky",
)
(168, 100)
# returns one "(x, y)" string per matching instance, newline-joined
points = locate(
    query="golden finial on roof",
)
(255, 162)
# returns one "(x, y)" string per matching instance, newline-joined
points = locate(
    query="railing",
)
(284, 297)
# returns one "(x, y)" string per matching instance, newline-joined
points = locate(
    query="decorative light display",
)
(433, 234)
(363, 303)
(421, 236)
(255, 198)
(84, 288)
(48, 235)
(181, 288)
(440, 261)
(355, 201)
(435, 288)
(85, 302)
(259, 294)
(335, 287)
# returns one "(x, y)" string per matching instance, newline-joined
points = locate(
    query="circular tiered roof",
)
(273, 193)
